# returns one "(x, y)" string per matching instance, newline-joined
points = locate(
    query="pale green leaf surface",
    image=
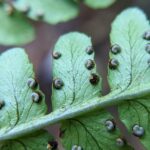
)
(89, 132)
(36, 141)
(18, 106)
(99, 3)
(15, 28)
(53, 11)
(137, 112)
(70, 68)
(133, 69)
(84, 131)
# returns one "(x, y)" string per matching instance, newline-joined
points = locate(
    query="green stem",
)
(73, 111)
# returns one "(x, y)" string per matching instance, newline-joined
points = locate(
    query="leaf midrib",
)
(74, 111)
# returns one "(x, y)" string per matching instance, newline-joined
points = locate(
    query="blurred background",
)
(95, 23)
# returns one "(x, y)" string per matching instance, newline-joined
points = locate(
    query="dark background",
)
(95, 23)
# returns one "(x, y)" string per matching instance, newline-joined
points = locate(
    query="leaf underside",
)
(18, 106)
(74, 87)
(50, 11)
(14, 28)
(15, 92)
(137, 112)
(38, 140)
(70, 67)
(99, 3)
(133, 69)
(89, 132)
